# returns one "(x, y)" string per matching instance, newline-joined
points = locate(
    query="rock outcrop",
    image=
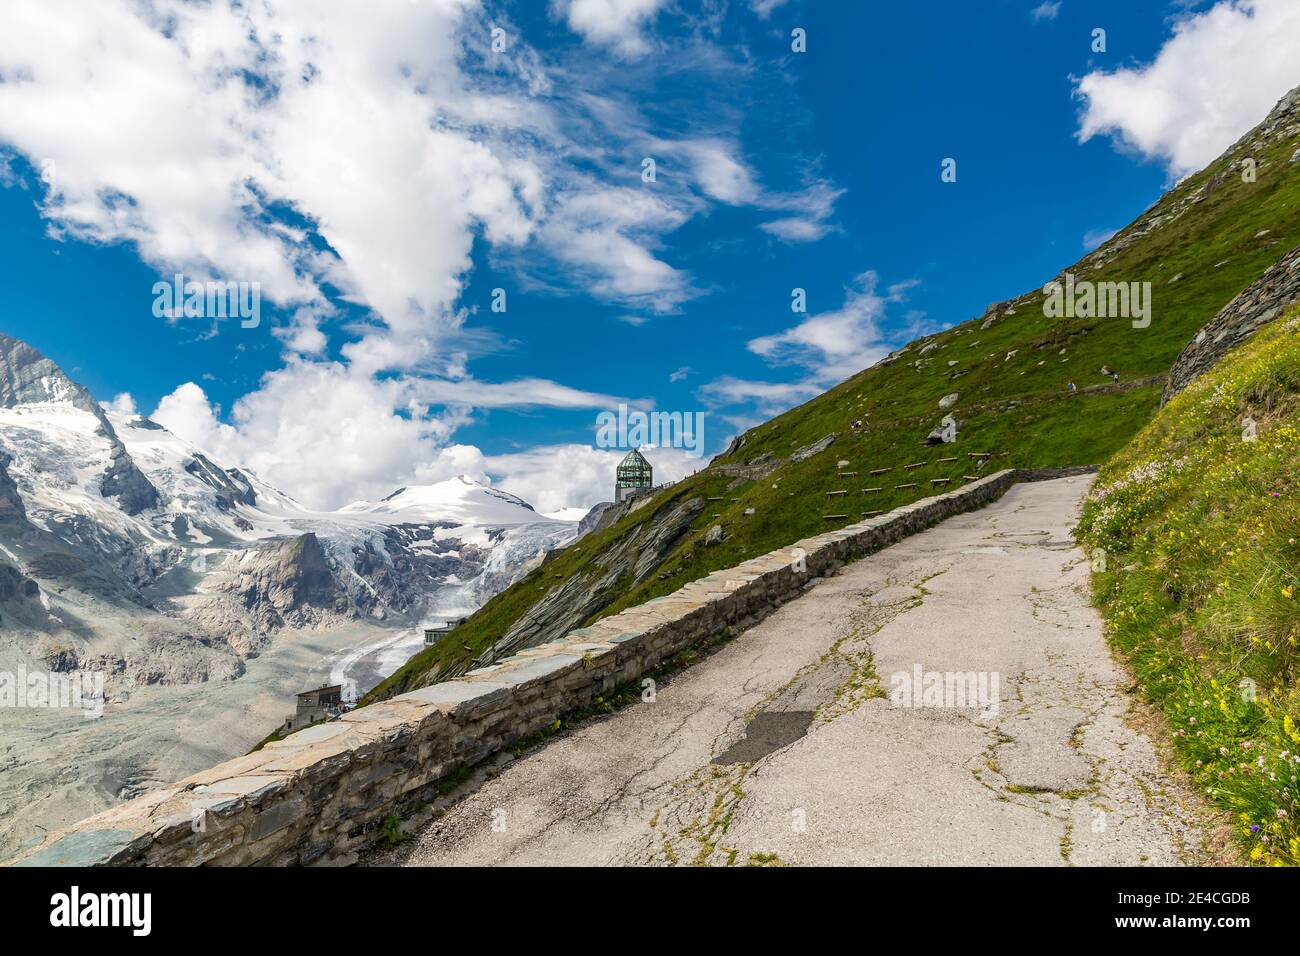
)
(1268, 298)
(621, 567)
(286, 583)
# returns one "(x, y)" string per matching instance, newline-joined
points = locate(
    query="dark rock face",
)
(15, 586)
(411, 564)
(231, 486)
(12, 510)
(285, 582)
(27, 376)
(125, 482)
(1269, 298)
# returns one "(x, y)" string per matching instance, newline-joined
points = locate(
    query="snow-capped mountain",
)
(127, 549)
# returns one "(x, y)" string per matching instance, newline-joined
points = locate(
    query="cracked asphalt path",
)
(832, 771)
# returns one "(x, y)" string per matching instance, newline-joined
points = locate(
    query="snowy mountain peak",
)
(463, 500)
(29, 378)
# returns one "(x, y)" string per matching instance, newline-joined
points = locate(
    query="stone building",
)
(323, 703)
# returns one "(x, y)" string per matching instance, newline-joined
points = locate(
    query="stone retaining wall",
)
(325, 793)
(1269, 297)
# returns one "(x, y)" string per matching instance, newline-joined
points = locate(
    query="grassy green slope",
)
(1017, 408)
(1200, 582)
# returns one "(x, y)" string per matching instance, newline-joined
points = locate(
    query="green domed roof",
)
(635, 459)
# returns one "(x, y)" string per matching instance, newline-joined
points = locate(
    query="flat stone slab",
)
(82, 848)
(463, 698)
(314, 735)
(253, 785)
(538, 669)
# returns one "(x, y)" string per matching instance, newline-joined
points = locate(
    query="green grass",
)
(1214, 244)
(1195, 533)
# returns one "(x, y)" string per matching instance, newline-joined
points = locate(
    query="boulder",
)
(713, 535)
(944, 433)
(948, 401)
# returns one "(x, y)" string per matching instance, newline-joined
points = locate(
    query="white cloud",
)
(808, 212)
(1045, 11)
(834, 345)
(769, 398)
(829, 346)
(764, 8)
(1214, 80)
(680, 374)
(613, 23)
(567, 476)
(122, 404)
(605, 235)
(207, 121)
(720, 174)
(322, 434)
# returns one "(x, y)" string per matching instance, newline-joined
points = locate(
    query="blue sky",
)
(380, 178)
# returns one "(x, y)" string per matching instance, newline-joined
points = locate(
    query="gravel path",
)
(786, 746)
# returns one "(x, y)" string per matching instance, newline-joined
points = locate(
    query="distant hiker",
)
(1072, 386)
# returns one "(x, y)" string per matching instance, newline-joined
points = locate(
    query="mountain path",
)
(784, 746)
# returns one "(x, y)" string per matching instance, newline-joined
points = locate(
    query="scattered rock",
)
(1176, 278)
(713, 535)
(948, 401)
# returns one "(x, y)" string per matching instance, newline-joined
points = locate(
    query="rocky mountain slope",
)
(1020, 385)
(108, 518)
